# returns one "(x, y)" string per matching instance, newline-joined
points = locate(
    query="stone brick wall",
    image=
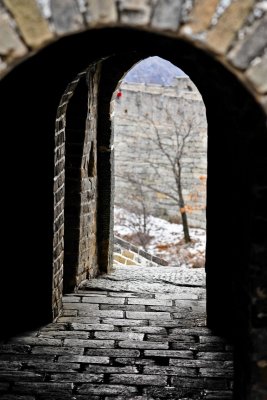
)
(142, 112)
(59, 191)
(128, 254)
(87, 263)
(81, 259)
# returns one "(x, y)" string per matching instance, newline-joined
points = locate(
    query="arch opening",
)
(160, 143)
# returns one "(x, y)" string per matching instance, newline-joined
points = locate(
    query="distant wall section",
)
(141, 112)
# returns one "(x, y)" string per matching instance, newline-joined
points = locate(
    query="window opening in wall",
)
(91, 161)
(160, 165)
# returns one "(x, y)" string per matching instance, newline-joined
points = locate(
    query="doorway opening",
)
(160, 143)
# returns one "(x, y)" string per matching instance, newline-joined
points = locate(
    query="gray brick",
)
(201, 364)
(171, 323)
(167, 15)
(217, 347)
(216, 373)
(81, 306)
(150, 302)
(77, 377)
(148, 315)
(89, 343)
(69, 313)
(251, 46)
(113, 352)
(142, 345)
(43, 387)
(169, 353)
(191, 331)
(66, 16)
(83, 320)
(171, 338)
(84, 359)
(10, 365)
(134, 361)
(91, 292)
(145, 329)
(71, 299)
(215, 356)
(56, 350)
(125, 322)
(119, 335)
(257, 75)
(50, 367)
(222, 395)
(126, 307)
(96, 369)
(14, 349)
(169, 370)
(102, 313)
(211, 339)
(199, 383)
(104, 300)
(109, 390)
(64, 334)
(177, 296)
(130, 294)
(92, 327)
(17, 376)
(130, 379)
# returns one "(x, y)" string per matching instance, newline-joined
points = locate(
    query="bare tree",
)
(171, 146)
(138, 219)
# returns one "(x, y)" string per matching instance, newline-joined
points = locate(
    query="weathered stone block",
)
(201, 15)
(83, 359)
(135, 12)
(119, 336)
(128, 344)
(145, 329)
(66, 16)
(34, 28)
(94, 344)
(222, 35)
(148, 315)
(251, 46)
(108, 390)
(77, 377)
(113, 352)
(100, 11)
(129, 379)
(169, 353)
(150, 302)
(11, 46)
(166, 14)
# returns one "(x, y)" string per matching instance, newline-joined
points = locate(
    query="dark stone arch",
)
(236, 209)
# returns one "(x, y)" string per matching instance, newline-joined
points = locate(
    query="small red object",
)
(119, 94)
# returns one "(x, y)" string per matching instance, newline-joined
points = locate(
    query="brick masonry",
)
(126, 253)
(142, 112)
(86, 265)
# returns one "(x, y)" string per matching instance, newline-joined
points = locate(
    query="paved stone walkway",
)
(137, 334)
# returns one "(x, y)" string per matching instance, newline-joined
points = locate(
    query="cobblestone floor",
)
(137, 334)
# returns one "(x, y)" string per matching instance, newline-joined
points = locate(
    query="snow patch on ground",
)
(165, 238)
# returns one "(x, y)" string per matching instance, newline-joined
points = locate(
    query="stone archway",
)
(236, 125)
